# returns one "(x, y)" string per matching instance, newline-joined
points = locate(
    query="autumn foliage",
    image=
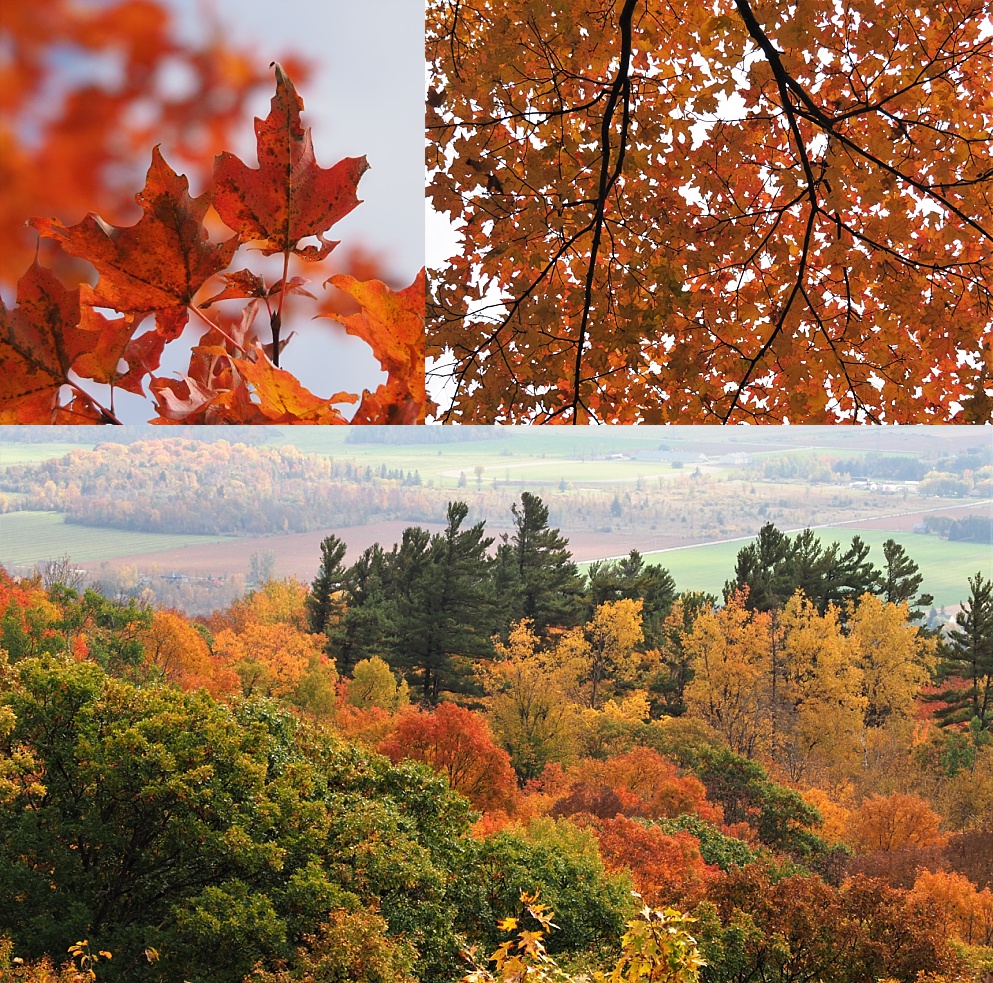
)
(69, 154)
(712, 213)
(888, 823)
(161, 268)
(457, 743)
(667, 869)
(805, 806)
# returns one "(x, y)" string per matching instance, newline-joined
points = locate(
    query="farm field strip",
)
(37, 453)
(27, 538)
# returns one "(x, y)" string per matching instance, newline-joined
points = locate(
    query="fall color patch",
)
(55, 337)
(712, 213)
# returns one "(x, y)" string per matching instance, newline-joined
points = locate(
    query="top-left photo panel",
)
(212, 212)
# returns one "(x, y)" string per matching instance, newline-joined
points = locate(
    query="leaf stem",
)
(276, 320)
(203, 317)
(109, 415)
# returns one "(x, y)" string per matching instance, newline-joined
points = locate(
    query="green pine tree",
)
(969, 656)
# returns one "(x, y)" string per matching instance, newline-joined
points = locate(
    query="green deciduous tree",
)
(564, 865)
(220, 836)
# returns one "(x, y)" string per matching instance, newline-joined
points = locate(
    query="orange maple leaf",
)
(393, 324)
(282, 399)
(288, 197)
(40, 341)
(157, 265)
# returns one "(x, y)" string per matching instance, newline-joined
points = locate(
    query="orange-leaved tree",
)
(163, 266)
(458, 743)
(723, 212)
(667, 868)
(893, 822)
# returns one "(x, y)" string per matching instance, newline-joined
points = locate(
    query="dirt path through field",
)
(299, 554)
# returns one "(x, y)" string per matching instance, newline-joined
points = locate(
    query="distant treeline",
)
(971, 529)
(884, 468)
(422, 435)
(176, 484)
(125, 435)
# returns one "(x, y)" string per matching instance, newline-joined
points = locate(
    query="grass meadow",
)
(36, 453)
(34, 537)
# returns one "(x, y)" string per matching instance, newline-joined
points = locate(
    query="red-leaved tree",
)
(458, 743)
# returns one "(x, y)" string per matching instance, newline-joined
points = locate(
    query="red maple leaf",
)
(40, 341)
(157, 265)
(288, 197)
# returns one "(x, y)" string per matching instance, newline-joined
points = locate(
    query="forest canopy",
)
(443, 762)
(729, 212)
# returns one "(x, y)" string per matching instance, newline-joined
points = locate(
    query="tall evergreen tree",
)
(443, 605)
(969, 656)
(412, 627)
(549, 583)
(322, 604)
(775, 565)
(813, 568)
(631, 578)
(857, 574)
(362, 630)
(764, 566)
(901, 578)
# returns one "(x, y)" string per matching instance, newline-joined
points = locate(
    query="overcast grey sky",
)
(365, 96)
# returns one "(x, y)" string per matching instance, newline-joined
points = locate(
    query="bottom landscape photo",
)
(488, 705)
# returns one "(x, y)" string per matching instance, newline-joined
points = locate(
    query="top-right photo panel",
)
(733, 212)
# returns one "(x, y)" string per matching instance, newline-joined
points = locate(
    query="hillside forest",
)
(242, 487)
(464, 760)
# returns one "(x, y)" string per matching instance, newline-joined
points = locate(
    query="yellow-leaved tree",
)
(817, 700)
(731, 656)
(613, 633)
(528, 701)
(656, 948)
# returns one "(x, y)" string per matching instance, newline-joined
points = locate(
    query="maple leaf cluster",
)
(157, 268)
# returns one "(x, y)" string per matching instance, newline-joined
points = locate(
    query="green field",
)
(532, 456)
(946, 566)
(528, 456)
(36, 453)
(27, 538)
